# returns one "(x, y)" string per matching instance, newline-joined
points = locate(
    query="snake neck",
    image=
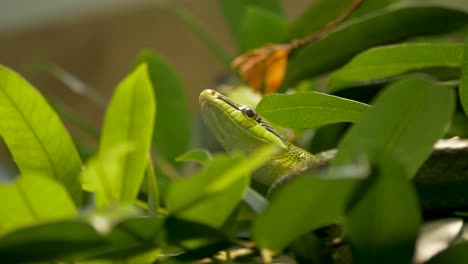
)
(280, 164)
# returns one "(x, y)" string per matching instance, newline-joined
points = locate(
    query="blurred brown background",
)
(98, 40)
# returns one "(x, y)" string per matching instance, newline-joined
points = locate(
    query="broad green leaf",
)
(463, 90)
(317, 16)
(172, 126)
(32, 199)
(129, 120)
(234, 12)
(436, 236)
(37, 140)
(260, 27)
(213, 211)
(387, 25)
(210, 42)
(77, 240)
(407, 119)
(297, 207)
(223, 171)
(388, 61)
(383, 225)
(309, 109)
(201, 156)
(103, 174)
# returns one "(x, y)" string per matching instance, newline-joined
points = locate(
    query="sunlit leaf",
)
(173, 116)
(34, 134)
(201, 156)
(102, 174)
(407, 119)
(387, 25)
(309, 109)
(221, 173)
(306, 203)
(31, 199)
(129, 120)
(436, 236)
(388, 61)
(383, 224)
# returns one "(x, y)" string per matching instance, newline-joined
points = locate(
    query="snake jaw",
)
(256, 127)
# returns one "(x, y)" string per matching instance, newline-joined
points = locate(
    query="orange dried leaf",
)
(264, 68)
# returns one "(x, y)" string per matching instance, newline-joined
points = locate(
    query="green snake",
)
(238, 126)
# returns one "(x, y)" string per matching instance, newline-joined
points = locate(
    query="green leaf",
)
(213, 211)
(103, 174)
(407, 119)
(436, 235)
(77, 240)
(383, 225)
(37, 140)
(387, 25)
(172, 127)
(297, 207)
(309, 109)
(234, 12)
(388, 61)
(31, 199)
(185, 193)
(317, 16)
(201, 156)
(194, 25)
(463, 90)
(129, 120)
(261, 27)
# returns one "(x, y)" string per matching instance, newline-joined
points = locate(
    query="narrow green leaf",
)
(383, 225)
(463, 90)
(194, 25)
(37, 140)
(185, 193)
(261, 27)
(129, 119)
(234, 12)
(407, 119)
(172, 126)
(201, 156)
(387, 25)
(297, 207)
(388, 61)
(32, 199)
(73, 83)
(309, 109)
(317, 16)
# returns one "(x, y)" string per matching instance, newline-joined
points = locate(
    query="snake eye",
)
(249, 113)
